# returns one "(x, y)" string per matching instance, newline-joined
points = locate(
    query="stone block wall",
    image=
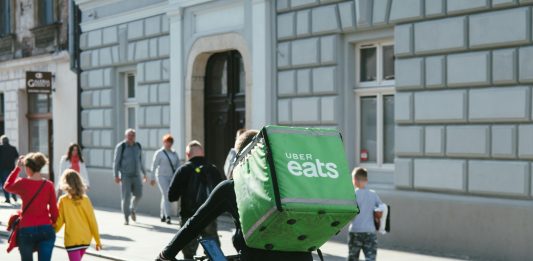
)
(464, 94)
(309, 54)
(464, 76)
(308, 70)
(141, 47)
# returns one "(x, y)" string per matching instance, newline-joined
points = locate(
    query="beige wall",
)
(64, 100)
(65, 110)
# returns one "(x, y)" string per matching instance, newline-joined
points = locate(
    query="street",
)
(144, 239)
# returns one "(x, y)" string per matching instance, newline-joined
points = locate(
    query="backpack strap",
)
(123, 147)
(319, 252)
(34, 196)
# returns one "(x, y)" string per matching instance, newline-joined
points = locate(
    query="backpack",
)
(200, 186)
(293, 188)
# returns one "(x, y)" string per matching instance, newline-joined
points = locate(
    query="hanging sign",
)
(38, 82)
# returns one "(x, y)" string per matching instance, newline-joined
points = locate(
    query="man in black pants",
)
(193, 183)
(8, 157)
(221, 200)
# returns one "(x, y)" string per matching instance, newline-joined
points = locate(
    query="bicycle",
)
(206, 258)
(213, 252)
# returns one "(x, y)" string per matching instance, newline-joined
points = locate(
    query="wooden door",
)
(224, 104)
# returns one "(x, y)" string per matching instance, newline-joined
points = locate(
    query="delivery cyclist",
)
(223, 199)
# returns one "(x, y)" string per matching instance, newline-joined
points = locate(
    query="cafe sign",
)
(39, 82)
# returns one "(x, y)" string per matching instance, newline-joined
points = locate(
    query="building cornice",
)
(125, 17)
(85, 5)
(34, 61)
(176, 6)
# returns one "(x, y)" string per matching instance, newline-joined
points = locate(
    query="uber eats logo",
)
(309, 166)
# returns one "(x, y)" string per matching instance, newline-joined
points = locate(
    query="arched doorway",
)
(224, 101)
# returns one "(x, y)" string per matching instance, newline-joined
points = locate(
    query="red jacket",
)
(43, 209)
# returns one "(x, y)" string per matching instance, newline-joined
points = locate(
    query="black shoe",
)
(163, 219)
(133, 216)
(168, 220)
(160, 257)
(7, 201)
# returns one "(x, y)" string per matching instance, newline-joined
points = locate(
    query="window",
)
(40, 127)
(5, 17)
(130, 101)
(46, 12)
(376, 64)
(375, 104)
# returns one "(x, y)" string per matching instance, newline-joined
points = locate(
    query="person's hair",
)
(128, 131)
(240, 132)
(360, 174)
(168, 138)
(71, 148)
(194, 145)
(244, 139)
(35, 161)
(72, 184)
(4, 139)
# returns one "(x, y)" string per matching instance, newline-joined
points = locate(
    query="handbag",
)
(14, 219)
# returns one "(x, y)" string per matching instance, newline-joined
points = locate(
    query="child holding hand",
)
(77, 214)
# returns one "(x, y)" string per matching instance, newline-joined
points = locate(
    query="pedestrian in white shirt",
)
(73, 160)
(164, 165)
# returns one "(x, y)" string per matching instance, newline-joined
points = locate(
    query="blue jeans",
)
(4, 173)
(40, 238)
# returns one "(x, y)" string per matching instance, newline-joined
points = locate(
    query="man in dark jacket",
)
(193, 183)
(221, 200)
(8, 156)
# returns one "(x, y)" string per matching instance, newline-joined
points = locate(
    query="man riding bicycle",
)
(223, 199)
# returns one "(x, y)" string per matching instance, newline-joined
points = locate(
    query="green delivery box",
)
(293, 188)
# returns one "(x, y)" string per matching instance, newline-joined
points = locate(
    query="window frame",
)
(38, 13)
(10, 19)
(379, 64)
(130, 102)
(379, 93)
(378, 89)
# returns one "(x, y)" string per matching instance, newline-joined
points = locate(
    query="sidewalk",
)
(143, 240)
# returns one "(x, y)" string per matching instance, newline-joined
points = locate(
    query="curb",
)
(4, 233)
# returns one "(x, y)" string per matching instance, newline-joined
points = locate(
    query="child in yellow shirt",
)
(77, 214)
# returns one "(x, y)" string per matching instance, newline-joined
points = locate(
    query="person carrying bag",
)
(14, 220)
(33, 230)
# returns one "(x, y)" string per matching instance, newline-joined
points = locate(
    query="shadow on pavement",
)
(112, 248)
(9, 206)
(113, 237)
(329, 257)
(168, 230)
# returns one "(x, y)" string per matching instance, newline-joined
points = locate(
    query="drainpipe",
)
(74, 31)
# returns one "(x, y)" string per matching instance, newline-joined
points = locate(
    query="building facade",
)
(33, 38)
(432, 96)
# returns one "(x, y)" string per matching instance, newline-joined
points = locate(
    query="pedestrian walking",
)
(164, 165)
(128, 164)
(232, 154)
(362, 235)
(193, 183)
(8, 157)
(77, 214)
(72, 160)
(39, 209)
